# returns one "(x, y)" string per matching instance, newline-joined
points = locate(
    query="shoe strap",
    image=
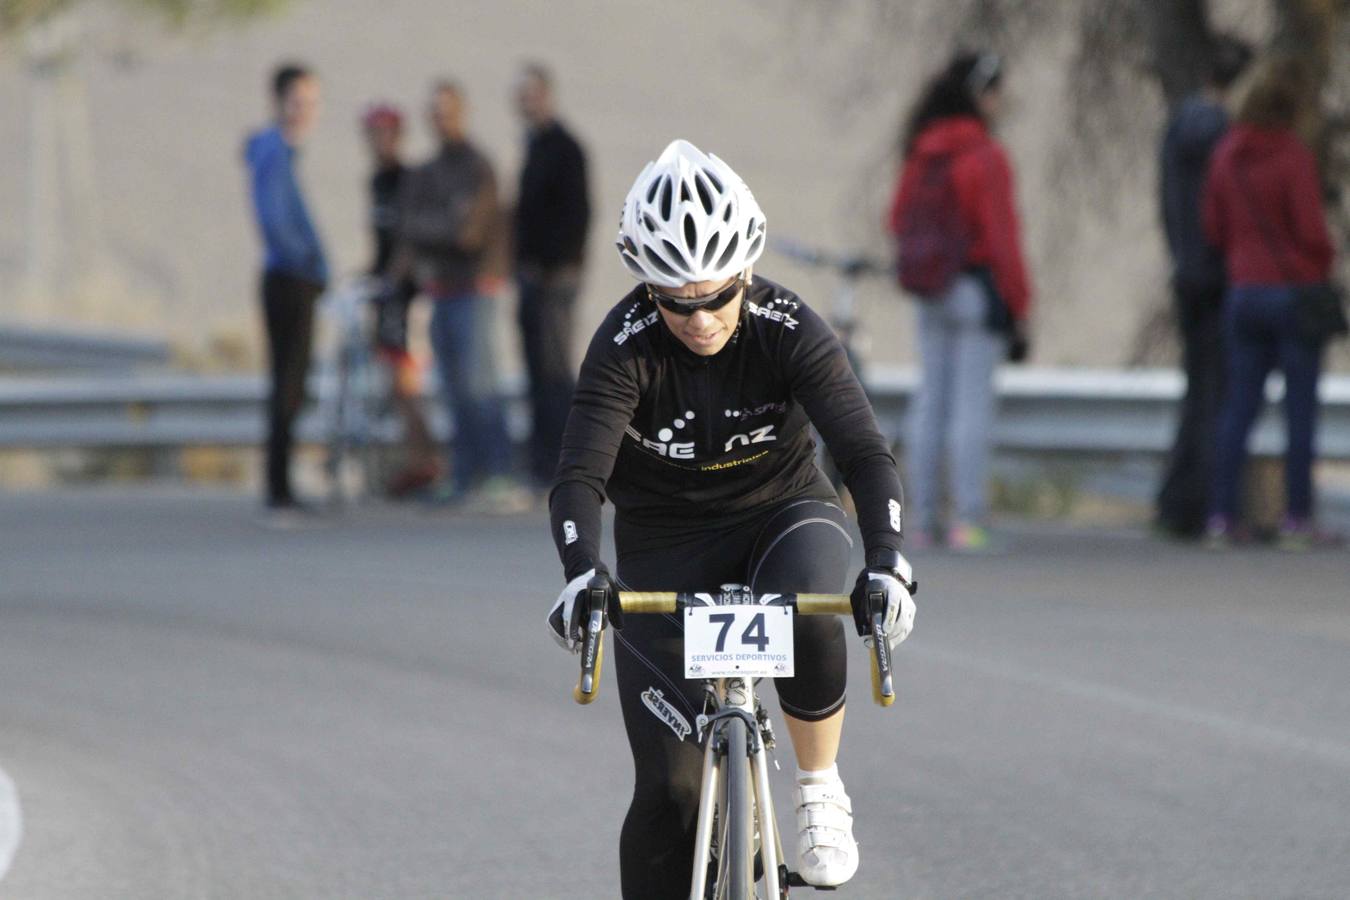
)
(832, 838)
(831, 794)
(831, 817)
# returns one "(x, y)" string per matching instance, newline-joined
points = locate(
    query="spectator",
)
(294, 269)
(953, 214)
(448, 222)
(552, 214)
(1197, 290)
(1263, 210)
(383, 128)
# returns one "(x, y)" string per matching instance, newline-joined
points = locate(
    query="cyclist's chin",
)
(705, 344)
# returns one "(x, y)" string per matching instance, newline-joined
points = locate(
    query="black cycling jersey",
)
(671, 436)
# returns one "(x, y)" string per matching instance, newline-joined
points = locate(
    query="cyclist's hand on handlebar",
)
(896, 580)
(565, 618)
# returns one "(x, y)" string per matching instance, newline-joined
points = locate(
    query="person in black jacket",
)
(692, 415)
(1198, 286)
(552, 215)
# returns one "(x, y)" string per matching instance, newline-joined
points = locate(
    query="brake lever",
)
(592, 647)
(883, 676)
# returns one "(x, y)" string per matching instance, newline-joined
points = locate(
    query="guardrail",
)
(1042, 411)
(27, 348)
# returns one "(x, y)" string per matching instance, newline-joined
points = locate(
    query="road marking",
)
(11, 822)
(1236, 729)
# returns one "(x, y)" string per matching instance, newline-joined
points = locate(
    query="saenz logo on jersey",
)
(631, 328)
(686, 450)
(756, 436)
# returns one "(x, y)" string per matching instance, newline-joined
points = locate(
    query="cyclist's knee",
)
(672, 797)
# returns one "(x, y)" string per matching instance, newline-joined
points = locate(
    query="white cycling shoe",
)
(827, 854)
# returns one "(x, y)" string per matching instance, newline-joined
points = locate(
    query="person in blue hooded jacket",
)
(294, 269)
(1198, 285)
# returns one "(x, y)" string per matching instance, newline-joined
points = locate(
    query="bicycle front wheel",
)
(740, 834)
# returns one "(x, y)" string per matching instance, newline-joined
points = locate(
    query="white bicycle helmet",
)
(689, 218)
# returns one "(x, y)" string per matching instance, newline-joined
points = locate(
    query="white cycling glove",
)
(897, 580)
(563, 621)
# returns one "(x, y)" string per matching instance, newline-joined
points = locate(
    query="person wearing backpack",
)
(959, 253)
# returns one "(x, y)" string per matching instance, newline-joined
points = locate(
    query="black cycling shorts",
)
(800, 545)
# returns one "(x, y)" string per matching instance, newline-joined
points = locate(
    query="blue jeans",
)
(1259, 328)
(461, 338)
(954, 407)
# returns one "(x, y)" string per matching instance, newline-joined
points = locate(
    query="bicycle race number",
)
(726, 641)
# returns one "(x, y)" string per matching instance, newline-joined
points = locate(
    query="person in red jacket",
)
(1262, 208)
(954, 207)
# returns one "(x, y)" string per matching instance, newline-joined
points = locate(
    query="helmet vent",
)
(704, 195)
(684, 192)
(648, 222)
(676, 256)
(658, 263)
(716, 183)
(754, 245)
(726, 216)
(690, 233)
(634, 266)
(728, 253)
(665, 199)
(651, 191)
(712, 248)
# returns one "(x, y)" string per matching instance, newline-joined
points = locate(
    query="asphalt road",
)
(194, 706)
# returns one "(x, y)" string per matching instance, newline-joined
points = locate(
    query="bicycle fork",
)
(736, 699)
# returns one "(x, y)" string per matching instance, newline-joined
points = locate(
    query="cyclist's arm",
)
(821, 379)
(602, 406)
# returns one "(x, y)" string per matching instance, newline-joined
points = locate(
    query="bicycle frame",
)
(733, 707)
(735, 697)
(351, 387)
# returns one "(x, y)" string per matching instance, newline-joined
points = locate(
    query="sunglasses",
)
(687, 306)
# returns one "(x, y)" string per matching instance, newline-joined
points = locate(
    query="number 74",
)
(752, 636)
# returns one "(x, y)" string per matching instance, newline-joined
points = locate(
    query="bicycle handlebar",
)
(670, 602)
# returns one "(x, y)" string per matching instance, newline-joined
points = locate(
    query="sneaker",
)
(1300, 535)
(501, 496)
(968, 538)
(827, 854)
(1218, 533)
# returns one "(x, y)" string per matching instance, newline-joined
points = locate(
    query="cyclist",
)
(691, 415)
(382, 125)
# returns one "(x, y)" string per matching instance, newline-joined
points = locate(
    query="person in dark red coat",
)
(965, 326)
(1263, 210)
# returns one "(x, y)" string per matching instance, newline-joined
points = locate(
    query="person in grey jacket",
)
(1198, 286)
(295, 270)
(449, 225)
